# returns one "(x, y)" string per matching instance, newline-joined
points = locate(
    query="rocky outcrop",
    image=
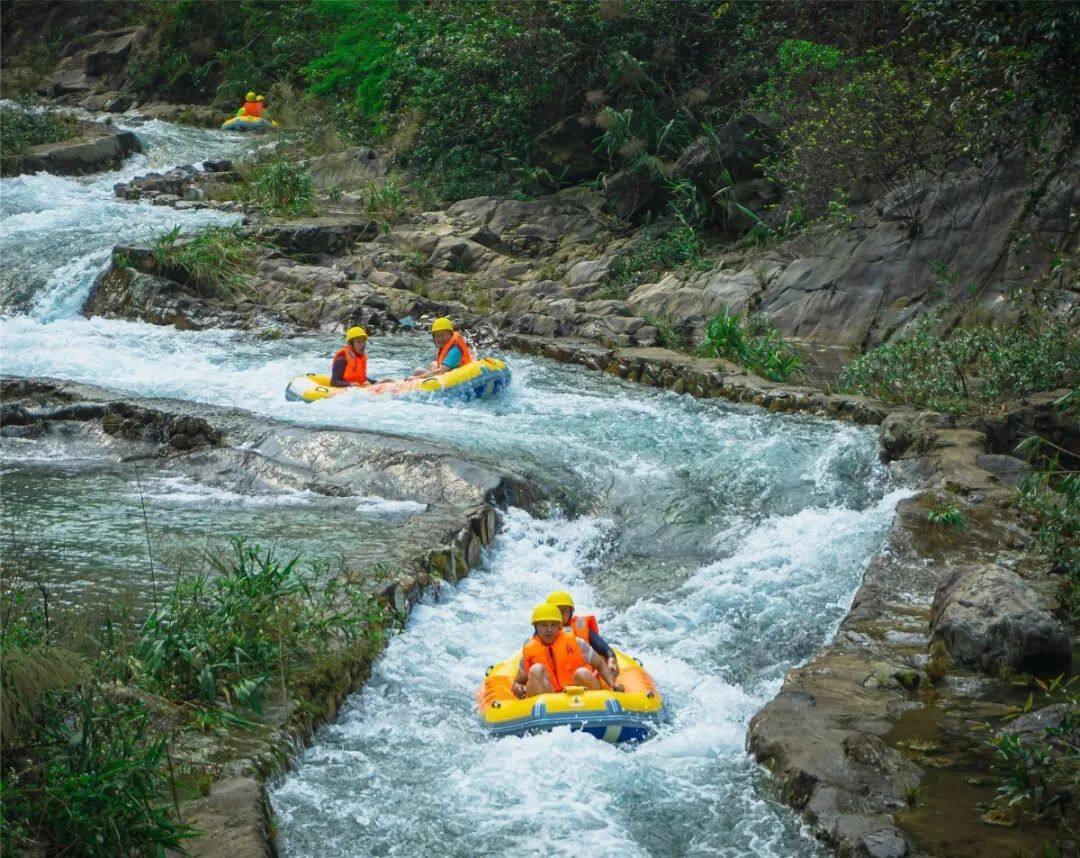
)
(939, 245)
(215, 182)
(94, 149)
(348, 170)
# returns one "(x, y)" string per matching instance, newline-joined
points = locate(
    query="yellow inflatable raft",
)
(624, 716)
(249, 123)
(480, 379)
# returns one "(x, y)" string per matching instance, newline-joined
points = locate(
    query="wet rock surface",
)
(94, 149)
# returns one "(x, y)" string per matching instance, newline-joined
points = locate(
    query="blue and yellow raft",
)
(249, 123)
(624, 716)
(481, 379)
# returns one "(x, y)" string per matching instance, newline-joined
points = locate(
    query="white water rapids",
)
(718, 543)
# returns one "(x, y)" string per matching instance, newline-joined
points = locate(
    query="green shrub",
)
(1051, 496)
(947, 515)
(661, 247)
(385, 200)
(282, 188)
(1007, 70)
(668, 332)
(752, 343)
(96, 784)
(1041, 770)
(228, 634)
(216, 261)
(20, 129)
(966, 368)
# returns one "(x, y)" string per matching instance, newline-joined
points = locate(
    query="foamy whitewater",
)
(718, 543)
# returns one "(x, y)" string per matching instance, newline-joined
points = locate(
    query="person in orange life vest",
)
(584, 626)
(554, 658)
(253, 106)
(349, 368)
(453, 350)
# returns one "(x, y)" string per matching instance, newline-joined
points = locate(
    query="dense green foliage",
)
(1051, 496)
(862, 94)
(968, 367)
(219, 51)
(753, 343)
(97, 786)
(21, 129)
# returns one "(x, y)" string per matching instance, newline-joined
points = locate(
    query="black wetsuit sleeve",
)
(600, 645)
(337, 371)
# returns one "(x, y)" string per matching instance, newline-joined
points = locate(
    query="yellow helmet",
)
(260, 98)
(355, 332)
(442, 324)
(546, 613)
(560, 598)
(249, 97)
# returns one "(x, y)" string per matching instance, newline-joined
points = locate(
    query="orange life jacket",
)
(455, 340)
(253, 108)
(561, 659)
(582, 624)
(355, 365)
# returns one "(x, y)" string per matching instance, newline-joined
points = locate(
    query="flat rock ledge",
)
(700, 377)
(97, 148)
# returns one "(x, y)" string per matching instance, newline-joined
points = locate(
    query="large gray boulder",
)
(989, 617)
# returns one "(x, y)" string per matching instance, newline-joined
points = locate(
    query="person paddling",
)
(584, 626)
(349, 368)
(453, 350)
(555, 658)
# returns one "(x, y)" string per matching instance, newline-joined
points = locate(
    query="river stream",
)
(718, 543)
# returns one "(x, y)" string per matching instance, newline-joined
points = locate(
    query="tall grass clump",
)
(227, 635)
(90, 737)
(1050, 495)
(83, 768)
(96, 784)
(216, 261)
(752, 343)
(283, 188)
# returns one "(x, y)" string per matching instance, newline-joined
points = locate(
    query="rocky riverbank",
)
(237, 451)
